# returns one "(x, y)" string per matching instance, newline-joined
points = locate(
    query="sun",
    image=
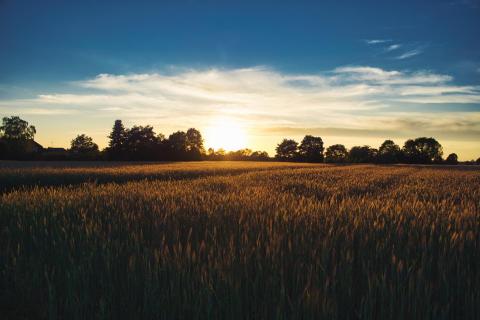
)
(225, 133)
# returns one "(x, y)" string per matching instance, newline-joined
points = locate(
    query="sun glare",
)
(227, 134)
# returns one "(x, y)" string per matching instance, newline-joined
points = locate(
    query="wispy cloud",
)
(361, 98)
(393, 47)
(377, 41)
(410, 54)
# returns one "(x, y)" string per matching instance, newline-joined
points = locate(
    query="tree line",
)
(141, 143)
(138, 143)
(421, 150)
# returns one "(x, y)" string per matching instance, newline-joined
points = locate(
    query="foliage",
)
(452, 159)
(141, 143)
(239, 155)
(311, 149)
(195, 147)
(16, 139)
(241, 240)
(83, 148)
(83, 144)
(116, 145)
(287, 150)
(389, 152)
(423, 150)
(336, 153)
(259, 156)
(177, 145)
(364, 154)
(14, 128)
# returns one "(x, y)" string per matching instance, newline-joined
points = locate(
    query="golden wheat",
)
(240, 240)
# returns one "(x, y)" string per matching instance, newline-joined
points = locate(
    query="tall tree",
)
(83, 147)
(177, 145)
(14, 128)
(311, 149)
(364, 154)
(423, 150)
(389, 152)
(287, 150)
(141, 143)
(336, 153)
(194, 144)
(16, 137)
(116, 145)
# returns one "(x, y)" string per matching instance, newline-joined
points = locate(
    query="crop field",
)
(239, 240)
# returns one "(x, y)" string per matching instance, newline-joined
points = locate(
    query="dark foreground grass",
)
(283, 242)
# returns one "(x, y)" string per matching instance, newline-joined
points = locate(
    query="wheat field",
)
(239, 240)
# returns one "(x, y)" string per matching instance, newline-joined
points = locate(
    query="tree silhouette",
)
(287, 150)
(242, 154)
(177, 145)
(16, 137)
(389, 152)
(423, 150)
(259, 156)
(194, 144)
(116, 145)
(142, 143)
(336, 153)
(311, 149)
(83, 147)
(452, 159)
(363, 154)
(14, 128)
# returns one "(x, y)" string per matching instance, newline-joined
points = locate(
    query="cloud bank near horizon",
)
(361, 100)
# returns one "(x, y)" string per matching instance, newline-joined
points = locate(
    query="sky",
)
(352, 72)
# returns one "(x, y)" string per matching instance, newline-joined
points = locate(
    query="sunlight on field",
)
(241, 240)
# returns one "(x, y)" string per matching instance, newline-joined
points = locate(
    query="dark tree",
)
(259, 156)
(177, 145)
(116, 145)
(14, 128)
(83, 147)
(336, 153)
(364, 154)
(311, 149)
(423, 150)
(194, 144)
(142, 143)
(287, 150)
(389, 152)
(452, 159)
(477, 161)
(16, 137)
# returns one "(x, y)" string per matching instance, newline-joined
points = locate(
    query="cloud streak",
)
(377, 41)
(356, 100)
(393, 47)
(409, 54)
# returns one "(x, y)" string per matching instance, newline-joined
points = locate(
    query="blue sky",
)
(355, 72)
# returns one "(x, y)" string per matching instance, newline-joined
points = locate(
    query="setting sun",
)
(225, 133)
